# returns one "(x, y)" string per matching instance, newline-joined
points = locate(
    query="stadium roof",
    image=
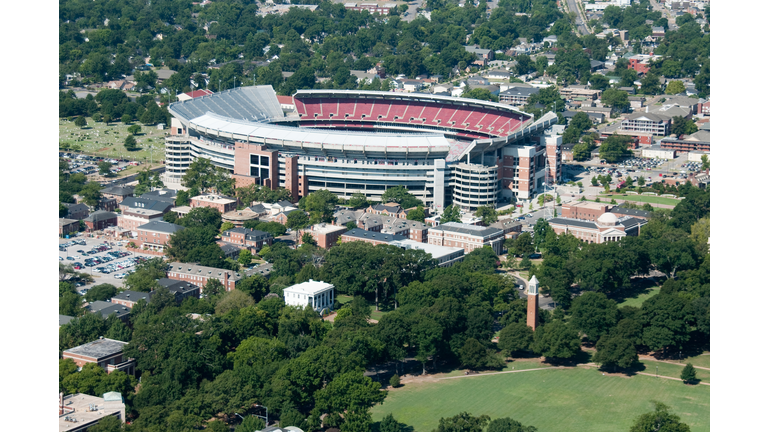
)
(353, 140)
(255, 103)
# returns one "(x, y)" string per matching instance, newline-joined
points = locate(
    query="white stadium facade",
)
(443, 149)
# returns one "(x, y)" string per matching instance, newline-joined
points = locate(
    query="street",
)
(573, 7)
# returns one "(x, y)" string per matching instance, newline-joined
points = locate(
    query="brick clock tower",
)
(533, 303)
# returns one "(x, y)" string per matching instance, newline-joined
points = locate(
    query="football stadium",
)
(445, 150)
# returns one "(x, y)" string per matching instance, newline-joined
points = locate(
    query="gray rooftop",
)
(160, 226)
(253, 103)
(630, 212)
(99, 348)
(65, 221)
(475, 230)
(520, 91)
(573, 222)
(133, 296)
(175, 286)
(64, 319)
(372, 235)
(148, 203)
(101, 215)
(118, 190)
(198, 270)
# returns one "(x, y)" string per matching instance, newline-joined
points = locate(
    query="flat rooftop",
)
(77, 407)
(216, 199)
(327, 228)
(99, 348)
(589, 205)
(310, 287)
(436, 251)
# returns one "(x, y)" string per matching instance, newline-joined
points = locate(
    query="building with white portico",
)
(318, 295)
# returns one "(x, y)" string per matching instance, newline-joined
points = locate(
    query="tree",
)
(91, 194)
(515, 338)
(689, 374)
(202, 217)
(450, 214)
(134, 129)
(462, 422)
(683, 126)
(506, 424)
(704, 163)
(556, 340)
(81, 122)
(675, 87)
(416, 214)
(595, 181)
(480, 94)
(250, 424)
(487, 213)
(297, 220)
(522, 245)
(400, 195)
(245, 257)
(307, 239)
(213, 287)
(615, 148)
(594, 314)
(659, 420)
(126, 118)
(358, 200)
(101, 292)
(394, 381)
(613, 351)
(320, 205)
(616, 99)
(130, 143)
(664, 322)
(107, 424)
(640, 181)
(233, 300)
(144, 279)
(598, 82)
(388, 423)
(104, 168)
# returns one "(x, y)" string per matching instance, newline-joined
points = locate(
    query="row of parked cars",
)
(120, 265)
(63, 247)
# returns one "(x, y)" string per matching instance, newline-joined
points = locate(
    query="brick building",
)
(698, 141)
(219, 202)
(79, 412)
(135, 217)
(372, 237)
(108, 204)
(517, 96)
(107, 353)
(414, 230)
(198, 275)
(99, 220)
(246, 238)
(155, 234)
(444, 255)
(510, 227)
(588, 211)
(325, 235)
(181, 290)
(77, 211)
(129, 298)
(67, 226)
(389, 209)
(467, 237)
(608, 227)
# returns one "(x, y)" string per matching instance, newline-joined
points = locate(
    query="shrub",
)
(395, 381)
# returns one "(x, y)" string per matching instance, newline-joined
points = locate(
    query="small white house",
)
(319, 295)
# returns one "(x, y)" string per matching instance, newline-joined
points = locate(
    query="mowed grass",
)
(672, 370)
(638, 300)
(556, 400)
(699, 360)
(108, 140)
(644, 199)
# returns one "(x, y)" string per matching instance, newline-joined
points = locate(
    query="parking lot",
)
(106, 261)
(88, 165)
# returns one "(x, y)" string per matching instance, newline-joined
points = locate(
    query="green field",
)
(637, 300)
(672, 370)
(557, 400)
(102, 140)
(644, 199)
(699, 360)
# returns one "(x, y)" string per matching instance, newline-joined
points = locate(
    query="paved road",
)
(572, 7)
(664, 13)
(132, 177)
(411, 15)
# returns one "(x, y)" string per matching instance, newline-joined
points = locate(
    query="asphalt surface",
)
(573, 7)
(130, 178)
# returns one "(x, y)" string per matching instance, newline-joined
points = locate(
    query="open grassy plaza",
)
(643, 199)
(99, 139)
(556, 399)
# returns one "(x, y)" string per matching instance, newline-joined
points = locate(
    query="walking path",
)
(644, 357)
(498, 373)
(666, 377)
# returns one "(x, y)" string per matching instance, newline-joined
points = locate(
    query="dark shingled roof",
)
(630, 212)
(118, 190)
(371, 235)
(101, 215)
(133, 296)
(573, 222)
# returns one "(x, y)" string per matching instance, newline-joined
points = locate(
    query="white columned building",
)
(318, 295)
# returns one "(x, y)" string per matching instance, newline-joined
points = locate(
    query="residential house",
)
(477, 81)
(498, 75)
(483, 56)
(517, 96)
(389, 209)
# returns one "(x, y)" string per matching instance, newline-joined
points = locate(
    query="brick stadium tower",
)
(533, 303)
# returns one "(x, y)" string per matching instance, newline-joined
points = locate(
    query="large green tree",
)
(400, 195)
(594, 314)
(556, 340)
(660, 419)
(614, 148)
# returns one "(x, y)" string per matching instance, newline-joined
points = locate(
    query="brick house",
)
(282, 217)
(99, 220)
(510, 227)
(229, 250)
(67, 226)
(119, 193)
(108, 204)
(198, 275)
(325, 235)
(374, 238)
(180, 290)
(107, 353)
(246, 238)
(155, 234)
(389, 209)
(219, 202)
(413, 230)
(468, 237)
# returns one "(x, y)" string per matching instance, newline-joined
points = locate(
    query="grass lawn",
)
(102, 140)
(638, 299)
(644, 199)
(699, 360)
(344, 299)
(558, 400)
(672, 370)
